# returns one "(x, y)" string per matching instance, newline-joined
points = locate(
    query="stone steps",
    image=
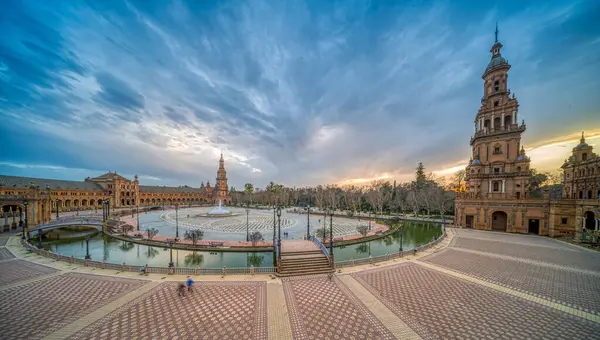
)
(310, 264)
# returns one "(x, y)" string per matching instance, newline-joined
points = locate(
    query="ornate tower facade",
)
(221, 188)
(499, 167)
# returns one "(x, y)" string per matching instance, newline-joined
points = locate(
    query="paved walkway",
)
(473, 285)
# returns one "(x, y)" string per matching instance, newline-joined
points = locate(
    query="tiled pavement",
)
(18, 270)
(5, 254)
(559, 256)
(428, 299)
(326, 309)
(49, 304)
(439, 306)
(550, 283)
(216, 310)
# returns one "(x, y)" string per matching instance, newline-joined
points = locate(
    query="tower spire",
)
(496, 40)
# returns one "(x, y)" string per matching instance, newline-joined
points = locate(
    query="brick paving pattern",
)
(5, 254)
(215, 310)
(512, 238)
(323, 309)
(451, 308)
(567, 287)
(576, 259)
(18, 270)
(52, 303)
(3, 238)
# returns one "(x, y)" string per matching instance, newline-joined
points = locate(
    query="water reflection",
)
(103, 247)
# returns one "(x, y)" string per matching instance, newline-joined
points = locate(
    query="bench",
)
(216, 244)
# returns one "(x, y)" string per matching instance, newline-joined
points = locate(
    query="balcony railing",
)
(498, 130)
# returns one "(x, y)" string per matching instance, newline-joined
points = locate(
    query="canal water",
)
(103, 247)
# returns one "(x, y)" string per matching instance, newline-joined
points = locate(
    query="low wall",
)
(158, 270)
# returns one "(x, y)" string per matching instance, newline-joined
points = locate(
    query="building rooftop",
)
(22, 182)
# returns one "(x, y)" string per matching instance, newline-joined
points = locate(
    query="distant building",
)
(498, 174)
(45, 196)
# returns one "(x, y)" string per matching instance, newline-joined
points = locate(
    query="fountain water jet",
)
(219, 211)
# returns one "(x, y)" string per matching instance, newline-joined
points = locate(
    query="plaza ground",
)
(473, 285)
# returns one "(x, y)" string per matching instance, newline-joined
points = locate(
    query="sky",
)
(295, 92)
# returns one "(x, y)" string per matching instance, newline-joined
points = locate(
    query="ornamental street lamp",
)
(279, 231)
(40, 246)
(137, 212)
(274, 227)
(308, 222)
(171, 264)
(25, 226)
(247, 226)
(331, 235)
(57, 205)
(401, 233)
(87, 248)
(176, 221)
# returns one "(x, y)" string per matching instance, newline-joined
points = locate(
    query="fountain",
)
(219, 211)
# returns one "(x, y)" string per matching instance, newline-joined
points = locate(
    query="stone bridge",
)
(92, 221)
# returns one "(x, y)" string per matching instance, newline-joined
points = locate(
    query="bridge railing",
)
(390, 256)
(321, 246)
(158, 270)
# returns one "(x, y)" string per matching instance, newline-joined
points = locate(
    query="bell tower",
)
(222, 190)
(499, 167)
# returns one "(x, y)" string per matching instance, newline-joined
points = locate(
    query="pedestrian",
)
(181, 289)
(190, 284)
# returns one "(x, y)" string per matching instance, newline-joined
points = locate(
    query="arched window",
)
(496, 186)
(584, 156)
(497, 86)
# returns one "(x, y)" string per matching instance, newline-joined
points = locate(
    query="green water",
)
(103, 247)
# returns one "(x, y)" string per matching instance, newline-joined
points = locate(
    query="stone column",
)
(502, 121)
(514, 118)
(476, 127)
(503, 183)
(489, 187)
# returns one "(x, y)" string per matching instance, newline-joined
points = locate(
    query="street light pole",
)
(308, 222)
(57, 204)
(274, 227)
(176, 222)
(40, 246)
(87, 248)
(137, 212)
(25, 226)
(401, 233)
(331, 235)
(279, 231)
(247, 226)
(171, 264)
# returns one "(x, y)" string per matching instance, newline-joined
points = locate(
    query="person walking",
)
(181, 289)
(190, 284)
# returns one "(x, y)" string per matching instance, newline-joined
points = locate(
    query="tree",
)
(194, 235)
(363, 230)
(255, 237)
(248, 190)
(151, 232)
(458, 181)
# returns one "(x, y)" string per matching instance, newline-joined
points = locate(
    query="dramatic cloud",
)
(291, 91)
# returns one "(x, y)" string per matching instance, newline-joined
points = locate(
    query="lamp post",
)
(279, 231)
(25, 226)
(40, 246)
(137, 212)
(274, 226)
(401, 234)
(369, 220)
(308, 222)
(331, 235)
(87, 248)
(171, 264)
(57, 205)
(176, 221)
(247, 226)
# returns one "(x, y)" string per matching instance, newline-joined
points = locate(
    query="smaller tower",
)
(221, 188)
